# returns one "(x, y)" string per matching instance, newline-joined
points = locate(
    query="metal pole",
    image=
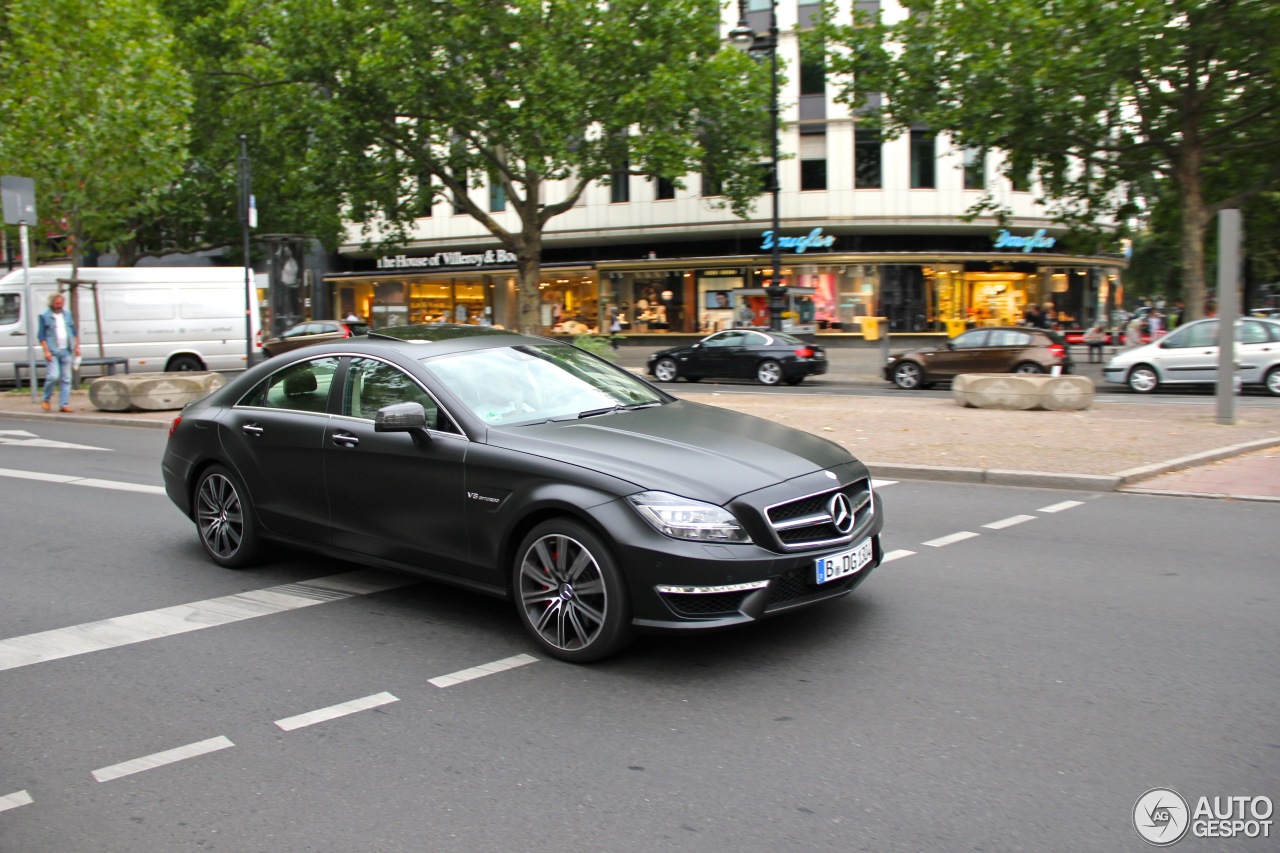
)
(31, 306)
(1228, 310)
(776, 290)
(245, 178)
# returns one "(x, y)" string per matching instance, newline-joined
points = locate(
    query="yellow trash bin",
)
(871, 328)
(954, 327)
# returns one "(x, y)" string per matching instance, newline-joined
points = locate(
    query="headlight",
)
(681, 518)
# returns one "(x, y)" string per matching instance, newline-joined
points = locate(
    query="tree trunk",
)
(1187, 176)
(529, 295)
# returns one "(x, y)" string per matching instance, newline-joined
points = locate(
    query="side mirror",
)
(403, 417)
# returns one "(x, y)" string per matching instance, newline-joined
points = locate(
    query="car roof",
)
(431, 339)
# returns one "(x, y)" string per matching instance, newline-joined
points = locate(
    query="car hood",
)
(689, 449)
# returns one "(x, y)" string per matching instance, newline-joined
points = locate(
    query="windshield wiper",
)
(617, 407)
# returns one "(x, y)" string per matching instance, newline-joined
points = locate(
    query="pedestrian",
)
(1048, 316)
(1032, 317)
(57, 334)
(1094, 337)
(1175, 314)
(1133, 332)
(615, 326)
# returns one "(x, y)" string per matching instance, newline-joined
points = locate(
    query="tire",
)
(769, 372)
(908, 375)
(1143, 379)
(1272, 382)
(1029, 367)
(225, 520)
(569, 592)
(183, 363)
(666, 370)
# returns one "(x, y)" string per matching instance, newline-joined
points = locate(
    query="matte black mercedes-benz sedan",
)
(529, 469)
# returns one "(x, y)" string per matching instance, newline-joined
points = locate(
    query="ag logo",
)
(1161, 817)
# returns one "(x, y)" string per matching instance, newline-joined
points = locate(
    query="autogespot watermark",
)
(1162, 817)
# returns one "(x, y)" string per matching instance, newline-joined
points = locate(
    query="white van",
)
(158, 318)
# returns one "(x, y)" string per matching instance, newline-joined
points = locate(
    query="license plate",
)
(843, 564)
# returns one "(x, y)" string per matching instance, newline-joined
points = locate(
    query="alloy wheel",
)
(1143, 379)
(220, 516)
(562, 592)
(769, 373)
(665, 370)
(907, 375)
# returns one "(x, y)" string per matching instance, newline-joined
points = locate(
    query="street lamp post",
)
(745, 38)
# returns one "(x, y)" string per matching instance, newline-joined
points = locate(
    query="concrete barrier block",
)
(1022, 391)
(151, 391)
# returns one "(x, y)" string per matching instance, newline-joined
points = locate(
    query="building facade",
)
(870, 228)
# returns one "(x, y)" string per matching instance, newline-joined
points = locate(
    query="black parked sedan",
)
(529, 469)
(767, 357)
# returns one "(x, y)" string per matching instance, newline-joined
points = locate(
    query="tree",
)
(94, 108)
(1095, 97)
(424, 100)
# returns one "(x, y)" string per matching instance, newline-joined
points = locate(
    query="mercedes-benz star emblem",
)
(841, 510)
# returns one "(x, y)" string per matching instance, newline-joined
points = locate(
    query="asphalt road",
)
(1026, 666)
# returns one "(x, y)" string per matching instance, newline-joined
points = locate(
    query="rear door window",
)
(301, 387)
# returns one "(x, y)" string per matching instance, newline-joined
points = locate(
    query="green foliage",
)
(596, 344)
(94, 108)
(1097, 98)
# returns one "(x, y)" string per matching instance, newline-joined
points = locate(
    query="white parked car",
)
(1189, 356)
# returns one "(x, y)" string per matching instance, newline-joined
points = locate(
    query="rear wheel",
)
(224, 518)
(665, 370)
(1029, 367)
(1272, 382)
(1143, 379)
(908, 375)
(184, 363)
(769, 372)
(569, 592)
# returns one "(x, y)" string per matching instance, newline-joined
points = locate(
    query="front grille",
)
(705, 604)
(798, 583)
(807, 522)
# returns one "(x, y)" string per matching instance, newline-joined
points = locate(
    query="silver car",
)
(1189, 356)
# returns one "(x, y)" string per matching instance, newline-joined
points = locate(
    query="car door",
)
(712, 356)
(1257, 349)
(1190, 354)
(274, 438)
(958, 357)
(1001, 351)
(393, 496)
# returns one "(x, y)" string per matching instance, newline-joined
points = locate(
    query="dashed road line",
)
(950, 539)
(71, 480)
(14, 800)
(481, 671)
(1060, 506)
(880, 484)
(168, 621)
(333, 712)
(1009, 522)
(895, 555)
(160, 759)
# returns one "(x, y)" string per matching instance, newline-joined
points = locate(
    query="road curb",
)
(997, 477)
(102, 420)
(1146, 472)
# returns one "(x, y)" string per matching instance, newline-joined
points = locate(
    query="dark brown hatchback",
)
(313, 332)
(1001, 349)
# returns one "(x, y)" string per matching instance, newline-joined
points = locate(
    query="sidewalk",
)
(1173, 447)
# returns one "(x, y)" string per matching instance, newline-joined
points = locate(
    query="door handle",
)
(345, 439)
(251, 429)
(19, 334)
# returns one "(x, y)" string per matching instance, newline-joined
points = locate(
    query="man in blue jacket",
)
(57, 333)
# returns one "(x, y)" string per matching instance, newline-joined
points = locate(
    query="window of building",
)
(813, 71)
(620, 183)
(868, 158)
(664, 188)
(975, 169)
(923, 160)
(497, 194)
(813, 161)
(1019, 173)
(426, 199)
(712, 184)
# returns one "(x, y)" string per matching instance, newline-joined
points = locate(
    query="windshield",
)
(532, 384)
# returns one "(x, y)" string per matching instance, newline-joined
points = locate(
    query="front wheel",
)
(907, 375)
(665, 370)
(224, 518)
(1143, 379)
(1028, 367)
(769, 372)
(569, 592)
(1272, 382)
(184, 364)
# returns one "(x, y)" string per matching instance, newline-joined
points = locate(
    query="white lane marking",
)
(160, 759)
(1009, 522)
(949, 539)
(481, 671)
(895, 555)
(22, 438)
(1060, 507)
(12, 801)
(880, 484)
(167, 621)
(342, 709)
(81, 481)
